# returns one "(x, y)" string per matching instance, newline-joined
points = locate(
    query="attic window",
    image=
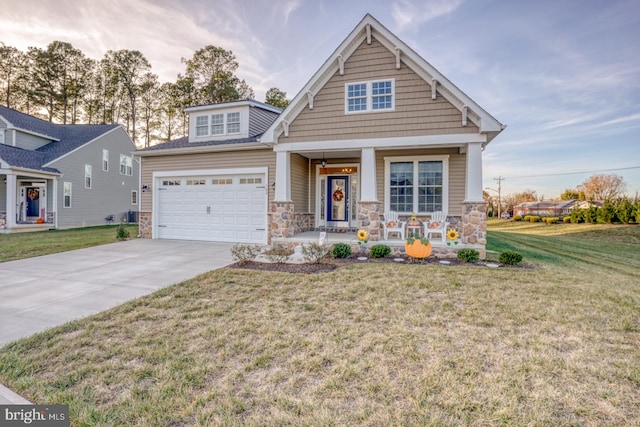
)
(370, 96)
(220, 124)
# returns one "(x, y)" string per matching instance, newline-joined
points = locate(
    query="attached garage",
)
(213, 205)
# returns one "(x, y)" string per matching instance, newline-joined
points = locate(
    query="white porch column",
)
(283, 177)
(368, 188)
(474, 173)
(12, 200)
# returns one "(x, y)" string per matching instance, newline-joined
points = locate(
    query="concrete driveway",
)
(39, 293)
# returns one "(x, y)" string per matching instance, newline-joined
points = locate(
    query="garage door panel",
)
(231, 210)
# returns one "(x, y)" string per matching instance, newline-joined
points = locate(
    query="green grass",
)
(27, 245)
(368, 344)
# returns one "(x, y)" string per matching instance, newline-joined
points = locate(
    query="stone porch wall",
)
(370, 218)
(285, 222)
(145, 225)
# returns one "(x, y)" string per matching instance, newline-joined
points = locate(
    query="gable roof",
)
(367, 28)
(64, 139)
(261, 116)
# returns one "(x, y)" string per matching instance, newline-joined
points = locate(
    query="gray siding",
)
(216, 160)
(110, 192)
(260, 120)
(30, 142)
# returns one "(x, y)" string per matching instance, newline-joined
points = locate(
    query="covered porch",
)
(27, 200)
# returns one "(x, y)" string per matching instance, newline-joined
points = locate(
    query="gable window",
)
(202, 125)
(87, 176)
(67, 195)
(105, 160)
(417, 184)
(134, 197)
(126, 165)
(378, 95)
(217, 124)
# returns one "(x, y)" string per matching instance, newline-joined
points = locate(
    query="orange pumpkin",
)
(417, 249)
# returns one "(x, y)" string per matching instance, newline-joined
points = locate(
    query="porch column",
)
(12, 200)
(474, 173)
(368, 190)
(283, 177)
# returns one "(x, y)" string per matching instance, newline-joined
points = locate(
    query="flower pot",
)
(417, 249)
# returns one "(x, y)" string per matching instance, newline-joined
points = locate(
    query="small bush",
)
(278, 255)
(244, 253)
(468, 255)
(566, 219)
(534, 218)
(380, 251)
(517, 218)
(313, 252)
(551, 220)
(341, 250)
(122, 233)
(510, 257)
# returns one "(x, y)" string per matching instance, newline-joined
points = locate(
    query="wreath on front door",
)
(338, 195)
(33, 194)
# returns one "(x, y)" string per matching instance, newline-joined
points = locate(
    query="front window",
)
(87, 176)
(417, 185)
(67, 195)
(126, 165)
(370, 96)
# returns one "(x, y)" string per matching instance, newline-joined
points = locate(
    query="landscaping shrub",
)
(313, 252)
(577, 216)
(469, 255)
(380, 251)
(278, 254)
(566, 219)
(243, 253)
(341, 250)
(534, 218)
(551, 220)
(510, 257)
(517, 218)
(624, 211)
(122, 233)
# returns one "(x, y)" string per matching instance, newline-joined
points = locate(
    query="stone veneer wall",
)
(474, 223)
(285, 222)
(144, 225)
(370, 219)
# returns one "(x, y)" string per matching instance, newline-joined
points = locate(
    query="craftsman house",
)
(63, 176)
(376, 129)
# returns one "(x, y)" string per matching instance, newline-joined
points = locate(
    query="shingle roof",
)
(184, 143)
(69, 137)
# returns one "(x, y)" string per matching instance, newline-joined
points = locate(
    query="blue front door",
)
(338, 206)
(33, 201)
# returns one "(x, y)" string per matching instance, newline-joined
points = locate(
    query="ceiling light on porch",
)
(324, 161)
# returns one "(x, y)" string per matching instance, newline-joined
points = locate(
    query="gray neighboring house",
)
(64, 176)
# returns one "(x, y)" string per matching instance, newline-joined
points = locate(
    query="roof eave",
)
(201, 149)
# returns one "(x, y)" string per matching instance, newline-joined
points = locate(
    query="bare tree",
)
(12, 63)
(602, 187)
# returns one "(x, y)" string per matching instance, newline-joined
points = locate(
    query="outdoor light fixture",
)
(324, 161)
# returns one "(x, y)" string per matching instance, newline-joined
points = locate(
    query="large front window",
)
(417, 185)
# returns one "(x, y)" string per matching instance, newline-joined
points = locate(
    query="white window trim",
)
(225, 124)
(64, 205)
(416, 159)
(128, 165)
(105, 160)
(369, 84)
(88, 173)
(134, 194)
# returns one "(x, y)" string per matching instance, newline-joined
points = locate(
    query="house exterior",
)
(63, 176)
(376, 129)
(552, 207)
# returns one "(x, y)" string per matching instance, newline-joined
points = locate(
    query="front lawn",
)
(369, 344)
(27, 245)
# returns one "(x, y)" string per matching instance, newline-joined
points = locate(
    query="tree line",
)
(62, 85)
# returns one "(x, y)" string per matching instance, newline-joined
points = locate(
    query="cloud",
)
(410, 14)
(288, 8)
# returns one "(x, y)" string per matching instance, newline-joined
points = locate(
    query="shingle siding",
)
(415, 112)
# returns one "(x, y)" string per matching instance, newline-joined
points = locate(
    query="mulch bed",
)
(330, 264)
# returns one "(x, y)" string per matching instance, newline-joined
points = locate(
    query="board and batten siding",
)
(205, 161)
(110, 192)
(415, 112)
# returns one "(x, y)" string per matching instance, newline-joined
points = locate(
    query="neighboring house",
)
(376, 128)
(63, 176)
(552, 207)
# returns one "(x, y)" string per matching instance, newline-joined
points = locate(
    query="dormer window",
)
(221, 124)
(370, 96)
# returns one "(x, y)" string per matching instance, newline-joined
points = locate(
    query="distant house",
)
(552, 207)
(376, 128)
(63, 176)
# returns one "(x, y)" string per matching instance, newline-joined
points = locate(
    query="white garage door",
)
(221, 208)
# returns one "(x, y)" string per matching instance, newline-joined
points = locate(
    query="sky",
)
(562, 75)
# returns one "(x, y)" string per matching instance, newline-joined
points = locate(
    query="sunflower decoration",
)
(363, 236)
(452, 237)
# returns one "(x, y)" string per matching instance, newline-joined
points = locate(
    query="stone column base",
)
(145, 225)
(281, 220)
(474, 223)
(369, 219)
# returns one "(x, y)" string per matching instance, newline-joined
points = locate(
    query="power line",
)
(572, 173)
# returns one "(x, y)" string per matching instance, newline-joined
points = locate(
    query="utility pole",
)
(499, 179)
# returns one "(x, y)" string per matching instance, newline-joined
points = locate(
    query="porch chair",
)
(438, 224)
(393, 225)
